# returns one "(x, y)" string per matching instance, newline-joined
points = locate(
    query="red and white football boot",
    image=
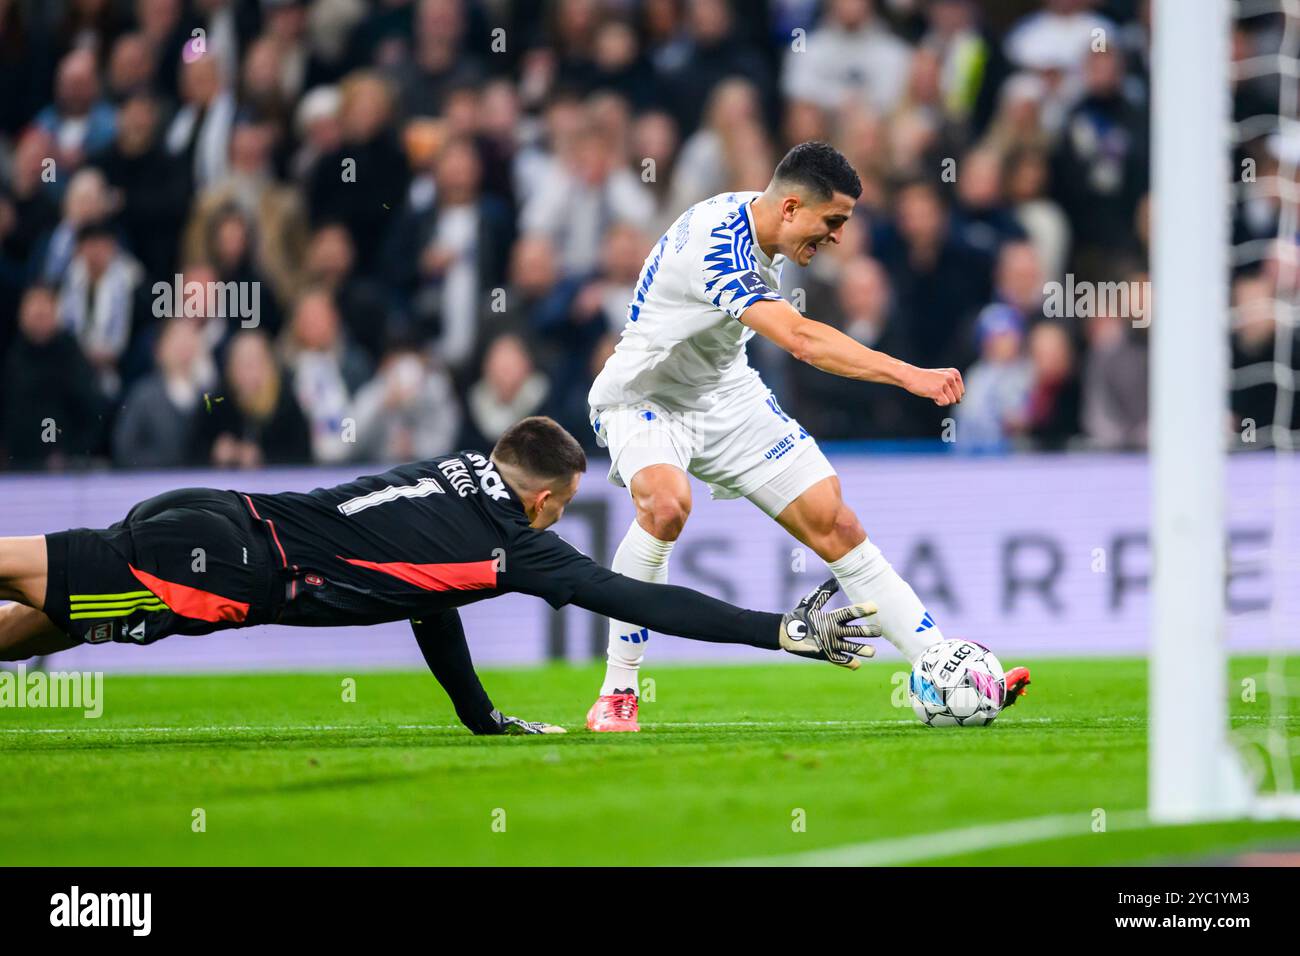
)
(614, 713)
(1017, 681)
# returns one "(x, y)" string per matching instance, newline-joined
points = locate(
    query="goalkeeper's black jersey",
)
(418, 538)
(442, 533)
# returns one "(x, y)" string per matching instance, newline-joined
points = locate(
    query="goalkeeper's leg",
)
(25, 631)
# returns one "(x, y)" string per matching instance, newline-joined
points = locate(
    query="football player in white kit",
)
(678, 397)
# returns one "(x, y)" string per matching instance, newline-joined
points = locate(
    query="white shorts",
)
(744, 446)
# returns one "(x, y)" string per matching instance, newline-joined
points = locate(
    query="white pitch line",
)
(667, 725)
(217, 728)
(946, 843)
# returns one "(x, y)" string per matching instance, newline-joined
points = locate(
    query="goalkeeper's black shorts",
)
(190, 561)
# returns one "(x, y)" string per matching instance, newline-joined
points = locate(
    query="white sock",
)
(642, 556)
(865, 575)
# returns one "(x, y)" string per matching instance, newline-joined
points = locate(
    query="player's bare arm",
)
(794, 220)
(830, 350)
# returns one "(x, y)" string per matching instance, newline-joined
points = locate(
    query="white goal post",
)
(1194, 772)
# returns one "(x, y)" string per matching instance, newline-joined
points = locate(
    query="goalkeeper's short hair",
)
(542, 448)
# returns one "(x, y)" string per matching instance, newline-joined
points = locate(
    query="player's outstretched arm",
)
(441, 637)
(830, 350)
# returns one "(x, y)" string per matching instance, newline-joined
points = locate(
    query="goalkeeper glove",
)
(515, 726)
(808, 631)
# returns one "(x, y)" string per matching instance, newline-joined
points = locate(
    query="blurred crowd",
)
(435, 212)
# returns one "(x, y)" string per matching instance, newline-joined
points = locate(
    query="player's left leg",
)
(820, 519)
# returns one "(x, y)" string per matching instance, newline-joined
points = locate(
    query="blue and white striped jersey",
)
(683, 343)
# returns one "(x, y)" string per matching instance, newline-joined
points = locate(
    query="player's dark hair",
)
(819, 168)
(541, 447)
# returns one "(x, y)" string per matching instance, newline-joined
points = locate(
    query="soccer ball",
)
(957, 683)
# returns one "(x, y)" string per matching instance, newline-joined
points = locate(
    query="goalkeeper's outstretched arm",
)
(807, 631)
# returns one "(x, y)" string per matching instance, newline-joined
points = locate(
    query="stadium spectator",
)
(365, 178)
(972, 66)
(215, 328)
(996, 404)
(85, 200)
(226, 240)
(1101, 164)
(654, 139)
(29, 212)
(583, 309)
(714, 49)
(79, 120)
(1017, 285)
(407, 411)
(511, 388)
(316, 123)
(938, 280)
(1052, 419)
(449, 245)
(1018, 123)
(264, 94)
(199, 134)
(228, 26)
(254, 420)
(153, 428)
(851, 55)
(102, 295)
(1257, 404)
(88, 24)
(983, 219)
(532, 295)
(130, 68)
(916, 129)
(362, 302)
(1041, 218)
(163, 24)
(440, 59)
(151, 191)
(25, 67)
(708, 159)
(582, 198)
(1058, 38)
(271, 211)
(618, 66)
(284, 37)
(497, 139)
(1115, 384)
(53, 413)
(327, 370)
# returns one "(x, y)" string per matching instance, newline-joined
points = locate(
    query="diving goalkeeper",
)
(416, 542)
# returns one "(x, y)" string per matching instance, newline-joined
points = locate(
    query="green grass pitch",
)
(734, 763)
